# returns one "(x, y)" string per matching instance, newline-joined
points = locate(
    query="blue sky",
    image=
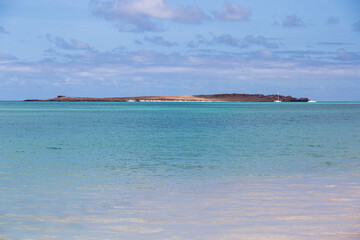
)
(103, 48)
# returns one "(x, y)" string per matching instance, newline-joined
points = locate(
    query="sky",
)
(114, 48)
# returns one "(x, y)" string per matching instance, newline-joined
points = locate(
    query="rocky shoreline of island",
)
(232, 97)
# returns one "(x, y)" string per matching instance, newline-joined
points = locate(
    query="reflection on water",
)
(251, 208)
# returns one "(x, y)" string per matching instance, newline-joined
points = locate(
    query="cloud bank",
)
(114, 68)
(229, 40)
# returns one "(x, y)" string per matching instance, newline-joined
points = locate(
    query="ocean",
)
(178, 170)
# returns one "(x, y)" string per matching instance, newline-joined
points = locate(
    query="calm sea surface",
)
(179, 170)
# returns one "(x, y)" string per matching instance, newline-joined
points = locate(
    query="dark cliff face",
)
(233, 97)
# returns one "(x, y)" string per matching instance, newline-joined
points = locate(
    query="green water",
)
(61, 162)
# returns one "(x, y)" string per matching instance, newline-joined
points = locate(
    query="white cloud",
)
(138, 78)
(19, 68)
(230, 40)
(266, 53)
(139, 15)
(5, 56)
(160, 41)
(73, 44)
(332, 21)
(233, 12)
(356, 26)
(259, 40)
(293, 21)
(343, 55)
(151, 8)
(2, 30)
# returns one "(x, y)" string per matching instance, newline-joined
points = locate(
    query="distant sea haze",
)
(179, 170)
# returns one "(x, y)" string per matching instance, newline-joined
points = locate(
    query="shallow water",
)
(179, 170)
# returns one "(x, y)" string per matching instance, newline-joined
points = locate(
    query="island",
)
(232, 97)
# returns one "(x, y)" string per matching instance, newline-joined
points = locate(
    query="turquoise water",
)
(123, 170)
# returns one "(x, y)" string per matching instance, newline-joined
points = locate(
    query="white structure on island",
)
(278, 100)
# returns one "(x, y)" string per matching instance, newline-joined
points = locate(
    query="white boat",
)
(311, 101)
(278, 100)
